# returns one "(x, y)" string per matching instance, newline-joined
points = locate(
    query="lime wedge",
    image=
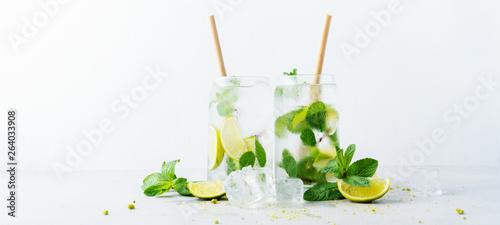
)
(206, 189)
(215, 149)
(332, 119)
(230, 137)
(322, 159)
(250, 143)
(378, 188)
(299, 122)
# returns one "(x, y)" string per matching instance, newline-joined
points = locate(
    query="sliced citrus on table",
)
(215, 149)
(230, 137)
(378, 188)
(206, 189)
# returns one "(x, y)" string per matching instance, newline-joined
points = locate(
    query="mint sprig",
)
(158, 183)
(355, 174)
(294, 72)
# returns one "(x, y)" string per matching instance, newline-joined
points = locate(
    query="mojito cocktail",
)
(240, 121)
(306, 126)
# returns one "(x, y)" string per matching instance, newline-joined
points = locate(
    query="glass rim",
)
(243, 81)
(324, 79)
(310, 74)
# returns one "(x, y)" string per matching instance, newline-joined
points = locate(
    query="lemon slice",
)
(215, 149)
(377, 189)
(230, 137)
(206, 189)
(250, 143)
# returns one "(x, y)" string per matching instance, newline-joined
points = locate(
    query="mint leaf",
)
(231, 165)
(157, 188)
(364, 167)
(337, 172)
(168, 169)
(322, 192)
(278, 92)
(226, 97)
(180, 185)
(225, 108)
(283, 122)
(334, 140)
(306, 169)
(294, 72)
(316, 116)
(357, 181)
(290, 166)
(285, 153)
(340, 158)
(308, 138)
(150, 179)
(260, 153)
(349, 153)
(247, 159)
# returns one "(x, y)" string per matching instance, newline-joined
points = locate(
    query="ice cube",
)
(250, 187)
(289, 190)
(425, 182)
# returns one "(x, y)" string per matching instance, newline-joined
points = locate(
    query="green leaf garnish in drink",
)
(308, 138)
(232, 165)
(316, 116)
(260, 153)
(247, 159)
(294, 72)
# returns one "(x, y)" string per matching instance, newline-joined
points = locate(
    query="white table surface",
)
(83, 196)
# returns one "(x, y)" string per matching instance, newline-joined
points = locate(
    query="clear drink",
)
(306, 126)
(240, 121)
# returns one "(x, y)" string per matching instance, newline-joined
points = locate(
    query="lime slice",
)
(250, 143)
(215, 149)
(377, 189)
(322, 159)
(230, 137)
(332, 119)
(206, 189)
(299, 122)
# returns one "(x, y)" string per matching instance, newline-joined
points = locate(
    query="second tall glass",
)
(306, 122)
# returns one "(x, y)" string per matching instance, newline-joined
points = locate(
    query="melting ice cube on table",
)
(250, 187)
(425, 182)
(289, 190)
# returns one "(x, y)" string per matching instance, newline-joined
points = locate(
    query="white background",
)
(394, 92)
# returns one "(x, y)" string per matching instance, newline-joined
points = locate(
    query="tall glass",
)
(306, 125)
(240, 121)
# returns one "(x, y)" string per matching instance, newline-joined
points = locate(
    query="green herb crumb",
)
(133, 201)
(216, 222)
(460, 211)
(131, 206)
(106, 212)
